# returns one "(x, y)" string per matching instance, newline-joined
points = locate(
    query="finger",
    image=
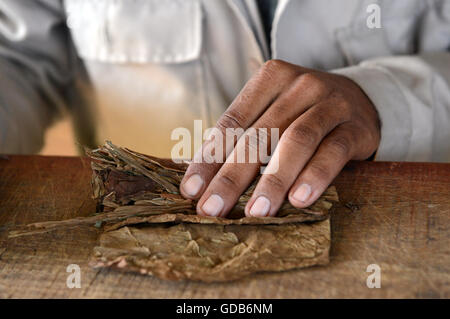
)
(232, 178)
(298, 143)
(248, 106)
(333, 153)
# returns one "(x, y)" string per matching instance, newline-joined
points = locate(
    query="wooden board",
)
(396, 215)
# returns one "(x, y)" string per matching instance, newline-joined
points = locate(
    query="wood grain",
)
(396, 215)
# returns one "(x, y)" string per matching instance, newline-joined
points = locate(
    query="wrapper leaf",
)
(213, 253)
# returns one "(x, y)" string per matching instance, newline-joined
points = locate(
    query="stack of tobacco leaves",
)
(151, 229)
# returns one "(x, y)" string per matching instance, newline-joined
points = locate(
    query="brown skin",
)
(325, 120)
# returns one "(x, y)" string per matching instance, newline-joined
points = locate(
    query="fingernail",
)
(213, 205)
(302, 193)
(193, 185)
(260, 207)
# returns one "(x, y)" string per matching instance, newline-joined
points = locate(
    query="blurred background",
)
(59, 140)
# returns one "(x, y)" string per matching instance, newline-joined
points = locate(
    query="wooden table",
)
(396, 215)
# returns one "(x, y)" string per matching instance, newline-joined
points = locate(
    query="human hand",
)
(325, 120)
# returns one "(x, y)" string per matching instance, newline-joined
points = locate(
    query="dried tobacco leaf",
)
(124, 183)
(213, 253)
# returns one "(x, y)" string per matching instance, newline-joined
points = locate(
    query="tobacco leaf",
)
(213, 253)
(120, 187)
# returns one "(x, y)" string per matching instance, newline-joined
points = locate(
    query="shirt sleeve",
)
(412, 93)
(37, 72)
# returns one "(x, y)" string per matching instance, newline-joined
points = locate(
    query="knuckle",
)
(340, 146)
(302, 135)
(230, 180)
(272, 70)
(319, 171)
(231, 119)
(245, 96)
(274, 65)
(345, 106)
(322, 118)
(312, 81)
(274, 183)
(337, 96)
(367, 141)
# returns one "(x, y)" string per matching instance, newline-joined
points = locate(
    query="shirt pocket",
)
(136, 31)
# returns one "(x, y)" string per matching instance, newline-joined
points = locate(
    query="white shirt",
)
(155, 65)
